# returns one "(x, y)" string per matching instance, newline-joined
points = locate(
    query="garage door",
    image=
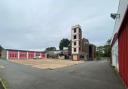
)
(123, 50)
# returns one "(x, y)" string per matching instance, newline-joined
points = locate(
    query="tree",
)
(100, 51)
(107, 48)
(107, 51)
(64, 43)
(104, 51)
(1, 48)
(50, 49)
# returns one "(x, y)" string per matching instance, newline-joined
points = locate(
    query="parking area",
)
(48, 63)
(84, 75)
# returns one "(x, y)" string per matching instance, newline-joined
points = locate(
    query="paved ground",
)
(88, 75)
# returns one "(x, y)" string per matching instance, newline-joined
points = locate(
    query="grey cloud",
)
(37, 24)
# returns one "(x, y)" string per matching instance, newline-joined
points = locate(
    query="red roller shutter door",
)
(123, 50)
(42, 55)
(30, 55)
(22, 55)
(12, 54)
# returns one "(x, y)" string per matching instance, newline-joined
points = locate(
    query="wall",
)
(123, 50)
(92, 52)
(115, 55)
(3, 54)
(85, 48)
(121, 10)
(121, 26)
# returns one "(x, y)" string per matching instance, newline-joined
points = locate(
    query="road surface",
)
(88, 75)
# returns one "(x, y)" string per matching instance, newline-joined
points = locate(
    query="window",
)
(74, 43)
(74, 49)
(74, 36)
(74, 30)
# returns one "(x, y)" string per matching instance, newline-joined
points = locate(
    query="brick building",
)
(92, 52)
(85, 48)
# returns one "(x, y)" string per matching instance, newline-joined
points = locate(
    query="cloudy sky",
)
(37, 24)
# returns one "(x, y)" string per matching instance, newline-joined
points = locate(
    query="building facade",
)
(12, 54)
(80, 47)
(76, 40)
(85, 48)
(120, 42)
(92, 52)
(114, 51)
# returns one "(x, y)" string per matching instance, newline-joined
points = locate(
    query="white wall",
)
(115, 55)
(121, 10)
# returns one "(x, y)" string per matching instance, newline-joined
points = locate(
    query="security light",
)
(115, 15)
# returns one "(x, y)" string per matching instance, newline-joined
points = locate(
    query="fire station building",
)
(120, 41)
(12, 54)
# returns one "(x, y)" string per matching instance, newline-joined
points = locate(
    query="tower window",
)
(74, 30)
(74, 49)
(74, 36)
(74, 43)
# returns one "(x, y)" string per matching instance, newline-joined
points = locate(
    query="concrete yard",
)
(85, 75)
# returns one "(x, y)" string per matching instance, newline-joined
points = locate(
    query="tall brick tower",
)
(76, 38)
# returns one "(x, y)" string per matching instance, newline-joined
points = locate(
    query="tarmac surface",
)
(88, 75)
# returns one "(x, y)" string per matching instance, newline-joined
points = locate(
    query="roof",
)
(22, 50)
(76, 26)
